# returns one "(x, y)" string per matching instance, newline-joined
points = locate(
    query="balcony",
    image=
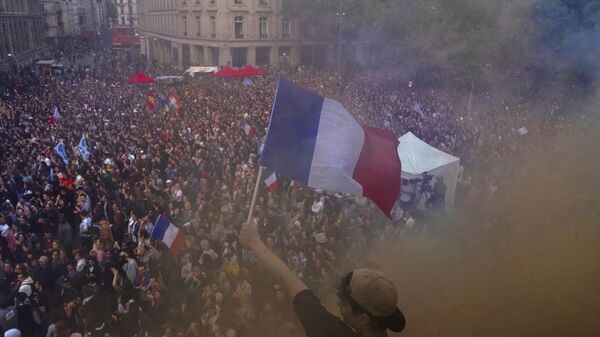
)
(239, 36)
(239, 6)
(264, 6)
(196, 5)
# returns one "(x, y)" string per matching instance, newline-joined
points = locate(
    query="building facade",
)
(124, 7)
(227, 32)
(22, 33)
(98, 13)
(65, 20)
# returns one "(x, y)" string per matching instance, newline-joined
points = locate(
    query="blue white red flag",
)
(315, 141)
(248, 130)
(270, 180)
(170, 235)
(56, 116)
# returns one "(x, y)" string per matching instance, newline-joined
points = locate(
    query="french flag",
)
(170, 235)
(271, 180)
(315, 141)
(249, 131)
(56, 116)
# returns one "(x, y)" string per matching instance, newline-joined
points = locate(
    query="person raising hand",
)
(366, 297)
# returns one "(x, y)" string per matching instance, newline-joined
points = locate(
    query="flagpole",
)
(256, 186)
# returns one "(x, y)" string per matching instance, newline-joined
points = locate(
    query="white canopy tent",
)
(417, 157)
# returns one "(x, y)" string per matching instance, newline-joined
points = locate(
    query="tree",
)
(465, 37)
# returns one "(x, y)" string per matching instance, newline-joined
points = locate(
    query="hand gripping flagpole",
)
(256, 186)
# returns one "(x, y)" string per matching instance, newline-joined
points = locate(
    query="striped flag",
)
(56, 116)
(270, 180)
(165, 231)
(316, 141)
(249, 131)
(175, 102)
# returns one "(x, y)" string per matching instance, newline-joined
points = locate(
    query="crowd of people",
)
(76, 249)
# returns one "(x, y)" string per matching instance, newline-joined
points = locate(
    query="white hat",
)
(12, 333)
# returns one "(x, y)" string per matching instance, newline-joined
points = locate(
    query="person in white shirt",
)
(85, 227)
(318, 206)
(407, 194)
(134, 227)
(81, 263)
(409, 223)
(3, 226)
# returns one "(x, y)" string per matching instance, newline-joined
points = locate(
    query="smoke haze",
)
(534, 272)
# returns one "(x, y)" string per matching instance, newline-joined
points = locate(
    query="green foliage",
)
(465, 37)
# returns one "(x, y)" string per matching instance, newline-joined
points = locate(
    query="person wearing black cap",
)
(367, 297)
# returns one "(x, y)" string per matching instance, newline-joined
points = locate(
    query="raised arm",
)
(270, 261)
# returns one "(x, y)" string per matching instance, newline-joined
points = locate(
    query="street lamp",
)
(13, 64)
(340, 15)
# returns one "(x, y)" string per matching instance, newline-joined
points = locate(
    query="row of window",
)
(235, 2)
(160, 4)
(20, 35)
(20, 6)
(170, 4)
(238, 26)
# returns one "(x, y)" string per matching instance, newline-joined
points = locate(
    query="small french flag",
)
(56, 116)
(249, 131)
(271, 180)
(170, 235)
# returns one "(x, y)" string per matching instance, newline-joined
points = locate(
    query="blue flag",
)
(60, 150)
(57, 113)
(83, 148)
(417, 109)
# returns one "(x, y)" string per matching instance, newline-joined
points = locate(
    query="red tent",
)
(251, 71)
(247, 71)
(141, 79)
(226, 72)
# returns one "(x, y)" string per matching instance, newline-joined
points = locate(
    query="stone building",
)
(22, 33)
(227, 32)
